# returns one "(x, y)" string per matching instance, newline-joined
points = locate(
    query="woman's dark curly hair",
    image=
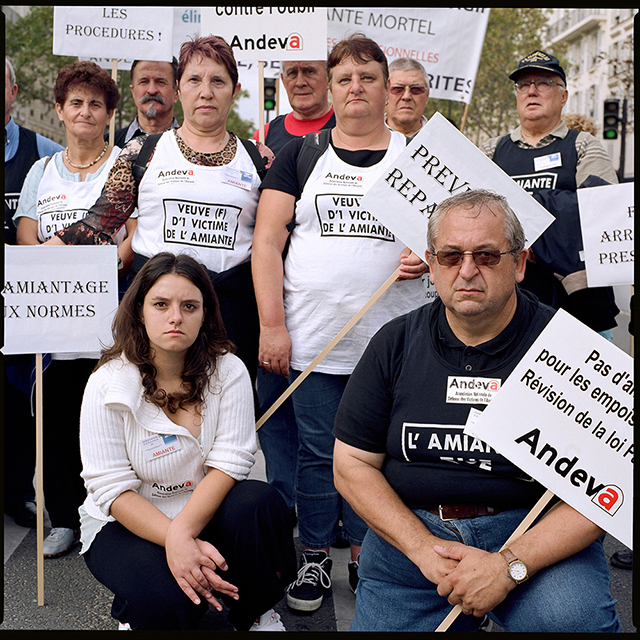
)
(83, 73)
(130, 337)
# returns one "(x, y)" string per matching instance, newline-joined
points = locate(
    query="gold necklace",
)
(85, 166)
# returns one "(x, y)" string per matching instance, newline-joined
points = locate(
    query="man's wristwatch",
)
(516, 569)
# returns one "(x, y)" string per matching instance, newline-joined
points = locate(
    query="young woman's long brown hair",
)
(130, 338)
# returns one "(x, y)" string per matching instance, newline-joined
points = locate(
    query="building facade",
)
(599, 47)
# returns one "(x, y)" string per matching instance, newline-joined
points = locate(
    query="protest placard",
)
(139, 33)
(59, 299)
(565, 416)
(437, 164)
(446, 41)
(269, 33)
(606, 220)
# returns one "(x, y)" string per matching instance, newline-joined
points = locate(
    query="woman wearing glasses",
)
(408, 96)
(338, 257)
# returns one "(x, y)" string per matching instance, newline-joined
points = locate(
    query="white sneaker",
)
(59, 541)
(124, 627)
(269, 621)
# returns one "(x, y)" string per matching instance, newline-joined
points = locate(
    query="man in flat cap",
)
(551, 161)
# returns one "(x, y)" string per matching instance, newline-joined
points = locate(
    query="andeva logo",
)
(609, 498)
(294, 42)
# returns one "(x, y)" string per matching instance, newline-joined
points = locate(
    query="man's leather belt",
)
(454, 511)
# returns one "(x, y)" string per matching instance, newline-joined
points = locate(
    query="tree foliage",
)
(511, 34)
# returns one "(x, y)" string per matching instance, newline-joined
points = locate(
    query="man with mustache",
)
(155, 92)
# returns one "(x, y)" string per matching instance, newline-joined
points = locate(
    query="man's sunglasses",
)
(398, 90)
(481, 258)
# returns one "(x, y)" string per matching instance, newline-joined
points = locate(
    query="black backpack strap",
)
(259, 161)
(140, 164)
(315, 144)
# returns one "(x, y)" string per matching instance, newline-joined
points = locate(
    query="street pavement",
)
(74, 600)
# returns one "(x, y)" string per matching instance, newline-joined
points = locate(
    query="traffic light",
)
(611, 119)
(269, 94)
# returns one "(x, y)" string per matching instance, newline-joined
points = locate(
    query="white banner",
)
(138, 33)
(124, 64)
(269, 33)
(565, 416)
(438, 163)
(59, 299)
(186, 26)
(606, 218)
(447, 42)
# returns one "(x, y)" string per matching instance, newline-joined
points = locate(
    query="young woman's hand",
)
(194, 564)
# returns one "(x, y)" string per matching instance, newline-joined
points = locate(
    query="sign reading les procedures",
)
(137, 33)
(269, 33)
(438, 163)
(606, 219)
(565, 416)
(59, 299)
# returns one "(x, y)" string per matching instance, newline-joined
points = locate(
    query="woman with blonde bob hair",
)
(167, 433)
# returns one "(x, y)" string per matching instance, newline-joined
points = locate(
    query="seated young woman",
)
(171, 524)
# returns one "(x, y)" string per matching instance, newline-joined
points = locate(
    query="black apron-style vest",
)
(15, 171)
(519, 164)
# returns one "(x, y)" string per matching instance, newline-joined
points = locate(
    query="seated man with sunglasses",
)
(408, 96)
(551, 162)
(440, 504)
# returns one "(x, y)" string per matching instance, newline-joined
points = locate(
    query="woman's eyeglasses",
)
(481, 258)
(398, 90)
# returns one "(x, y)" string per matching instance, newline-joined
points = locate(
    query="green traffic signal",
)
(611, 119)
(269, 94)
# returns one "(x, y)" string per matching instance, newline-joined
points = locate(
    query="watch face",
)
(518, 570)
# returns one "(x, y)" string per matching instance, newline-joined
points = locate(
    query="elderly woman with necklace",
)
(58, 190)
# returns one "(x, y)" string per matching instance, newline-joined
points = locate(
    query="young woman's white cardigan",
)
(115, 419)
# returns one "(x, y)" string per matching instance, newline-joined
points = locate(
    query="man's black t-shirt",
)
(410, 396)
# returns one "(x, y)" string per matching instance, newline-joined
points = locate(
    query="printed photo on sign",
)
(565, 416)
(201, 224)
(340, 215)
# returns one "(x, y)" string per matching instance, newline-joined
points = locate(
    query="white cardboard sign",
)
(59, 299)
(565, 417)
(138, 33)
(269, 33)
(446, 41)
(438, 163)
(606, 219)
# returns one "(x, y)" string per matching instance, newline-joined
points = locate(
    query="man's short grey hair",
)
(476, 199)
(408, 64)
(12, 74)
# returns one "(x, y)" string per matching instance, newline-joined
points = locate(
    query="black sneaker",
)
(353, 573)
(314, 580)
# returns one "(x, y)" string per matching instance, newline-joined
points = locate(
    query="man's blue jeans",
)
(278, 436)
(570, 596)
(320, 506)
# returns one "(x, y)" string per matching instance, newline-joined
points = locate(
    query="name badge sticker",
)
(548, 162)
(159, 445)
(471, 390)
(237, 178)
